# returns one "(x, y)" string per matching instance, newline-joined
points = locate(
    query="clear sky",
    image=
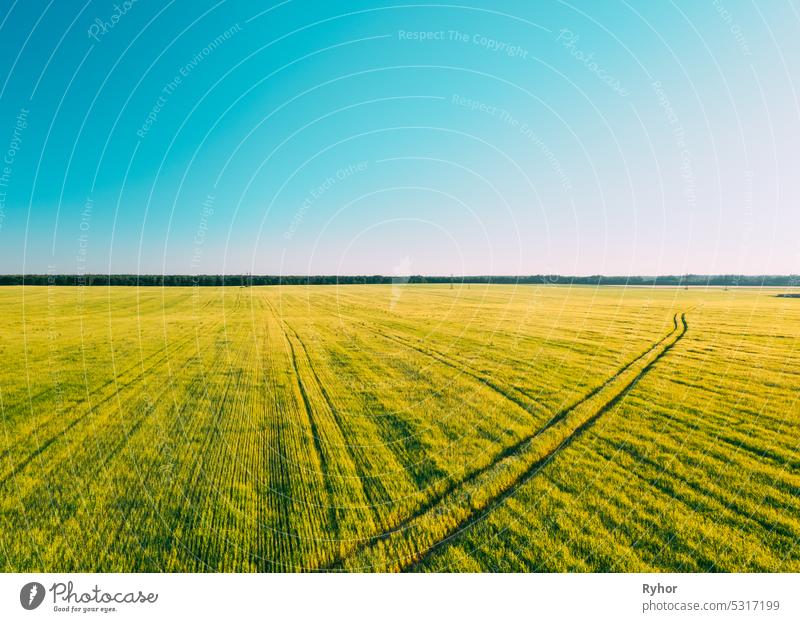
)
(371, 136)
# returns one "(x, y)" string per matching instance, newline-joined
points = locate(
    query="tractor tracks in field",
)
(334, 411)
(473, 498)
(325, 426)
(314, 428)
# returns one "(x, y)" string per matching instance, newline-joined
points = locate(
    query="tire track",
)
(463, 367)
(453, 483)
(443, 518)
(330, 488)
(356, 463)
(512, 394)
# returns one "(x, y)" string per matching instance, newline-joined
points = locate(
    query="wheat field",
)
(399, 428)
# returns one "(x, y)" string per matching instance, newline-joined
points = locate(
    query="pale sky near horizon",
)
(375, 137)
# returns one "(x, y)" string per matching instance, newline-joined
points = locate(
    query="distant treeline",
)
(187, 280)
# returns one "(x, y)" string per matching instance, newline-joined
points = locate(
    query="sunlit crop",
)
(399, 427)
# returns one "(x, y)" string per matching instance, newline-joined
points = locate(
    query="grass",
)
(537, 428)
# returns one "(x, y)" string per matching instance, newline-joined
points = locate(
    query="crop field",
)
(399, 428)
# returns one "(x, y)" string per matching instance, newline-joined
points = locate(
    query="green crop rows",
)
(390, 428)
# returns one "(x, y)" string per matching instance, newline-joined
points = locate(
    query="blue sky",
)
(367, 137)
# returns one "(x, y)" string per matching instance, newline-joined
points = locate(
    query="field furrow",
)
(486, 489)
(399, 427)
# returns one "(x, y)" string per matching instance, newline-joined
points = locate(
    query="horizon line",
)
(402, 276)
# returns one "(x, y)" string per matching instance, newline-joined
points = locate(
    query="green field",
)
(418, 427)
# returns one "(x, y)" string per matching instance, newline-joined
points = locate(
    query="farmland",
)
(399, 428)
